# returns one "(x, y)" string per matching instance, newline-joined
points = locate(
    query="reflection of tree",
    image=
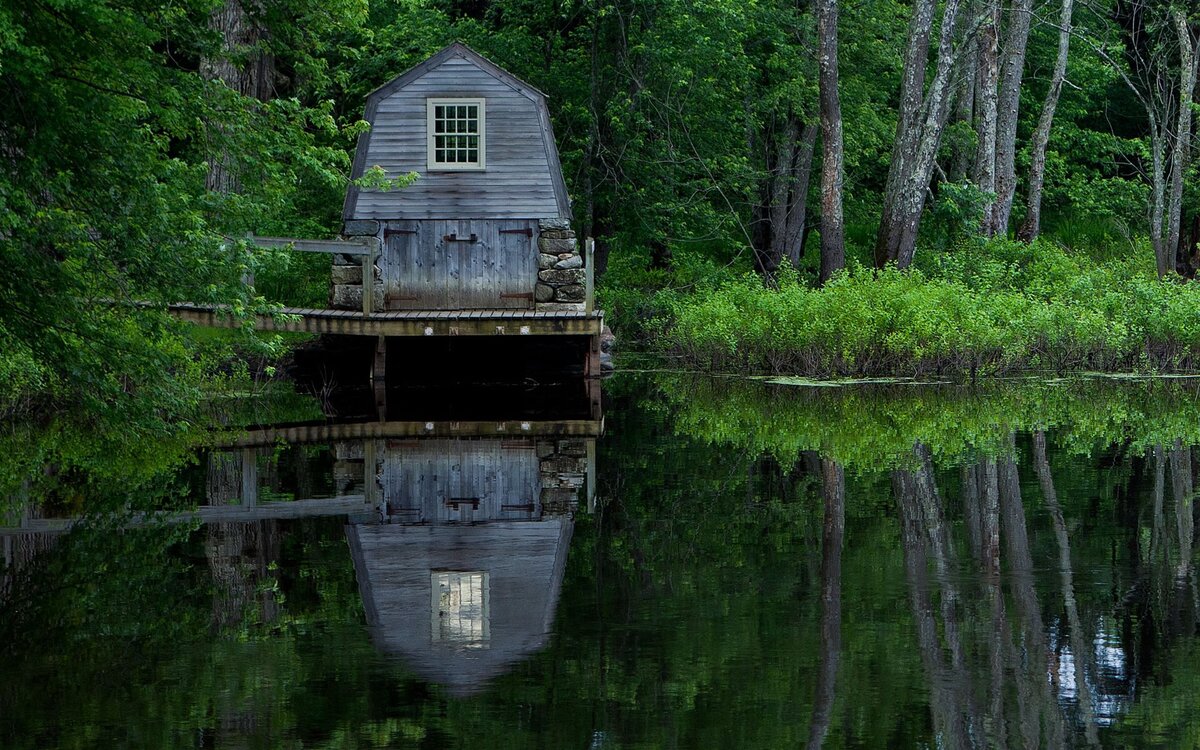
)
(923, 534)
(1038, 707)
(1012, 667)
(834, 494)
(1078, 648)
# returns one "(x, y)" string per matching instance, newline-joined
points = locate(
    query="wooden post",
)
(379, 362)
(591, 362)
(590, 478)
(249, 477)
(368, 282)
(379, 377)
(589, 275)
(370, 488)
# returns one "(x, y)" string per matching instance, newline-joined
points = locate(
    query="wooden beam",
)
(325, 433)
(345, 247)
(324, 506)
(424, 323)
(589, 275)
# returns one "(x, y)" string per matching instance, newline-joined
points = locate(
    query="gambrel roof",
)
(510, 152)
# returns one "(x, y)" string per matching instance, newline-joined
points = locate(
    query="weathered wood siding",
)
(523, 177)
(524, 562)
(461, 481)
(423, 270)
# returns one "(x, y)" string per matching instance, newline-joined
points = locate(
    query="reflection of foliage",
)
(877, 425)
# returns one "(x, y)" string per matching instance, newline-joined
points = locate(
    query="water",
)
(725, 564)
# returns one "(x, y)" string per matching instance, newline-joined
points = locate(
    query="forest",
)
(910, 188)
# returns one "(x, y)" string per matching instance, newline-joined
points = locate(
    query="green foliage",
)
(989, 309)
(108, 130)
(869, 426)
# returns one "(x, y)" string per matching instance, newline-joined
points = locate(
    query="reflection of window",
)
(459, 607)
(456, 133)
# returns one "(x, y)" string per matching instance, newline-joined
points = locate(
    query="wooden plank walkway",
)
(405, 322)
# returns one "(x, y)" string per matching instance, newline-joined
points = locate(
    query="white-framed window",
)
(457, 133)
(459, 608)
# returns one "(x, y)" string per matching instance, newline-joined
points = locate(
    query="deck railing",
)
(367, 248)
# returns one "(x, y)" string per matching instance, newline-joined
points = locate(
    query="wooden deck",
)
(405, 322)
(324, 433)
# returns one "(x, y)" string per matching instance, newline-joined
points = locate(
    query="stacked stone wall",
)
(563, 472)
(346, 275)
(561, 276)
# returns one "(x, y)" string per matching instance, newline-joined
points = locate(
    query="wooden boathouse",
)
(479, 244)
(489, 200)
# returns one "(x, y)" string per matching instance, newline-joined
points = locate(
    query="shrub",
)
(994, 308)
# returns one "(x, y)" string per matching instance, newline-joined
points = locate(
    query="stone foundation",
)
(346, 275)
(561, 277)
(562, 467)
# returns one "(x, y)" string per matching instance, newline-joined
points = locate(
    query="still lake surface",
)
(720, 563)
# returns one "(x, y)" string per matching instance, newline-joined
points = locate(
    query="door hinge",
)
(525, 231)
(517, 295)
(389, 232)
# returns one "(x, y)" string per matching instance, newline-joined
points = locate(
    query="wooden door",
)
(465, 481)
(459, 264)
(518, 264)
(402, 284)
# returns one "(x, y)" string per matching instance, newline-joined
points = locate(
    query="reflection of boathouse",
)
(461, 576)
(461, 604)
(458, 531)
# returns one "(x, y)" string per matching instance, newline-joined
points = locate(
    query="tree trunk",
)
(917, 137)
(1031, 227)
(1012, 70)
(908, 118)
(833, 230)
(242, 67)
(795, 229)
(985, 150)
(1188, 60)
(1158, 189)
(779, 233)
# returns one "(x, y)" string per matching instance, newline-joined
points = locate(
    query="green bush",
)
(995, 308)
